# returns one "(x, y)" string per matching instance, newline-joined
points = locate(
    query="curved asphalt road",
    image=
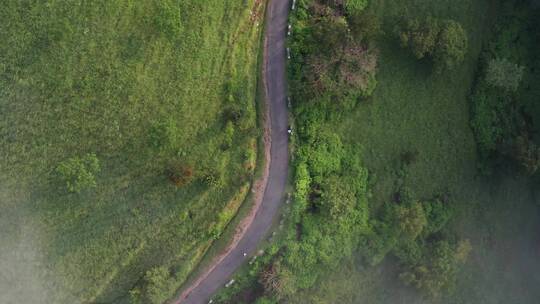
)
(276, 26)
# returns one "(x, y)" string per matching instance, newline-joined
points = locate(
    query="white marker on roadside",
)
(229, 283)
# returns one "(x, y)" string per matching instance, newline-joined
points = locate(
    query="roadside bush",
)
(78, 173)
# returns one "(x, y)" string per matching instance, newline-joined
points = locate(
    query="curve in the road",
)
(275, 84)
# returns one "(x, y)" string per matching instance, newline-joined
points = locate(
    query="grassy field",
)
(415, 110)
(162, 93)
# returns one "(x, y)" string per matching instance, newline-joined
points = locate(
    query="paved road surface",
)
(276, 26)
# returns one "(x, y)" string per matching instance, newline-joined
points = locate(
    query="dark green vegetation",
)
(128, 134)
(505, 99)
(392, 202)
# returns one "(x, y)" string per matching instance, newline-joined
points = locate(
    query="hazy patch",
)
(22, 275)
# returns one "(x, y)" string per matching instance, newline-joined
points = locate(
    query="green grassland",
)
(162, 93)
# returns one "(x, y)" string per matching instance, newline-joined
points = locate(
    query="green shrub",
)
(78, 173)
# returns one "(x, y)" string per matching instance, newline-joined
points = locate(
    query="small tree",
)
(78, 173)
(504, 74)
(452, 46)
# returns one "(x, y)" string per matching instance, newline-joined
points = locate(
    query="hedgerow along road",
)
(274, 193)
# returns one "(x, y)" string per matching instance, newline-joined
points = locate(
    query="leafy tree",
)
(504, 74)
(355, 6)
(451, 47)
(78, 173)
(420, 36)
(444, 41)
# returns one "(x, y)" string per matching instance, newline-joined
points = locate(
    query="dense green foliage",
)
(332, 59)
(126, 128)
(433, 230)
(504, 100)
